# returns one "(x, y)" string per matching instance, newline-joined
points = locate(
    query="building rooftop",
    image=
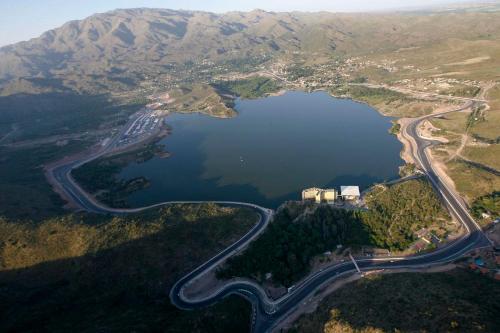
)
(349, 190)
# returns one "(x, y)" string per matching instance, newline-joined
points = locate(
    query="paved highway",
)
(269, 313)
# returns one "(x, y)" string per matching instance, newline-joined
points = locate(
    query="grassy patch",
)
(253, 87)
(458, 301)
(407, 170)
(456, 58)
(474, 117)
(461, 90)
(201, 98)
(472, 182)
(488, 129)
(95, 273)
(389, 102)
(455, 122)
(395, 128)
(489, 156)
(378, 95)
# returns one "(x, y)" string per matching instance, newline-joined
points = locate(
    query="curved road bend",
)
(269, 313)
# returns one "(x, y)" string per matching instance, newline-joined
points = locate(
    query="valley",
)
(172, 146)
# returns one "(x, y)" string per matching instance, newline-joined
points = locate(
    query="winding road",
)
(269, 313)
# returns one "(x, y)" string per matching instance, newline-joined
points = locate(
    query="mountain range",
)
(119, 49)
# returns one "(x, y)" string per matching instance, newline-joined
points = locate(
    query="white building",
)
(349, 192)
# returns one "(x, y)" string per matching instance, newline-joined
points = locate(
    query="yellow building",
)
(319, 195)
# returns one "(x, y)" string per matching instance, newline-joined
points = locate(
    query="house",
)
(484, 270)
(422, 233)
(319, 195)
(349, 192)
(419, 246)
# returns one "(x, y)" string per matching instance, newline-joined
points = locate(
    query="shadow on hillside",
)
(124, 288)
(39, 129)
(47, 114)
(457, 301)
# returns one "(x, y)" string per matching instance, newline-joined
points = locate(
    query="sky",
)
(25, 19)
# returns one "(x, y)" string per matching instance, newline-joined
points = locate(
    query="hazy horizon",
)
(53, 13)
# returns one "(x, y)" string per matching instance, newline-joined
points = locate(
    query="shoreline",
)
(165, 130)
(439, 252)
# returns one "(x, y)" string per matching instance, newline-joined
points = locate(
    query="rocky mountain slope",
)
(118, 49)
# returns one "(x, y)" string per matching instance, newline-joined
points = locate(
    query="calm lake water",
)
(273, 149)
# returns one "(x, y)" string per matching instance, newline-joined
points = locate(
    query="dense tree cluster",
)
(378, 94)
(249, 88)
(396, 212)
(395, 128)
(296, 235)
(489, 204)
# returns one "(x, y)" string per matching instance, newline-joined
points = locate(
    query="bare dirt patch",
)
(427, 130)
(450, 74)
(408, 146)
(440, 168)
(470, 61)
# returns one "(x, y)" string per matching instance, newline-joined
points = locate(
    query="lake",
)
(271, 151)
